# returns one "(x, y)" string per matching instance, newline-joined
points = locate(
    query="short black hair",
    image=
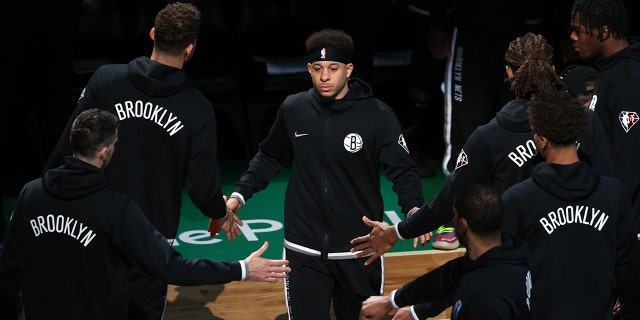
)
(481, 206)
(177, 25)
(557, 116)
(92, 130)
(595, 14)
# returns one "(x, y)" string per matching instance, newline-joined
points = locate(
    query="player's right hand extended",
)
(266, 270)
(377, 242)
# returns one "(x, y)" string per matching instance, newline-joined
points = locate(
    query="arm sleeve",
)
(431, 309)
(439, 284)
(593, 146)
(63, 146)
(203, 172)
(491, 305)
(267, 162)
(628, 260)
(401, 170)
(439, 210)
(9, 258)
(142, 242)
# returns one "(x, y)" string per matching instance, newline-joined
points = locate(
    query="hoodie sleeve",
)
(431, 309)
(63, 146)
(593, 147)
(266, 164)
(627, 259)
(203, 171)
(143, 243)
(477, 167)
(401, 170)
(9, 257)
(437, 285)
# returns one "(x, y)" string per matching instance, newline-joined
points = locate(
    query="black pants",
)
(314, 284)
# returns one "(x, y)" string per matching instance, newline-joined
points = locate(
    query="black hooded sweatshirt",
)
(70, 242)
(581, 237)
(494, 286)
(339, 150)
(616, 101)
(168, 139)
(500, 153)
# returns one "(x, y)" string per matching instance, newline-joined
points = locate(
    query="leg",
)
(307, 287)
(355, 282)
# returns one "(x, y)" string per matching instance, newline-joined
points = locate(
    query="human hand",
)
(266, 270)
(423, 239)
(379, 241)
(402, 314)
(375, 307)
(233, 204)
(228, 224)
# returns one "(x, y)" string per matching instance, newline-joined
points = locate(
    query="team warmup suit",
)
(71, 239)
(474, 87)
(500, 153)
(617, 103)
(169, 141)
(579, 228)
(494, 286)
(338, 149)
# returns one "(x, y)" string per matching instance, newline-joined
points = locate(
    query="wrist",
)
(392, 303)
(396, 231)
(244, 265)
(238, 197)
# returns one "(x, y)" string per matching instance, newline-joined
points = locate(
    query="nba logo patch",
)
(403, 143)
(323, 53)
(462, 160)
(628, 119)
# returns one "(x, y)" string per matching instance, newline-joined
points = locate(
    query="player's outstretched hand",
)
(266, 270)
(422, 239)
(375, 308)
(229, 224)
(380, 240)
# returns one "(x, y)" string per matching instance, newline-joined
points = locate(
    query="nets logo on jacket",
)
(462, 160)
(628, 119)
(353, 142)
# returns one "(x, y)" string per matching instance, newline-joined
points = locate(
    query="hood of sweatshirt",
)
(156, 79)
(569, 183)
(74, 179)
(513, 116)
(631, 52)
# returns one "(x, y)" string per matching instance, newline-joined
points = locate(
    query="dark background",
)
(250, 55)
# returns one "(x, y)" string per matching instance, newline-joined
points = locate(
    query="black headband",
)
(329, 54)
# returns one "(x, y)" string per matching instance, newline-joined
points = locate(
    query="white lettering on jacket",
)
(64, 225)
(146, 110)
(572, 215)
(523, 153)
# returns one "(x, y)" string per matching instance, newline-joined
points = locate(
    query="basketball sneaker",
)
(445, 239)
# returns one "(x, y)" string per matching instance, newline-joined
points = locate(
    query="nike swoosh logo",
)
(297, 135)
